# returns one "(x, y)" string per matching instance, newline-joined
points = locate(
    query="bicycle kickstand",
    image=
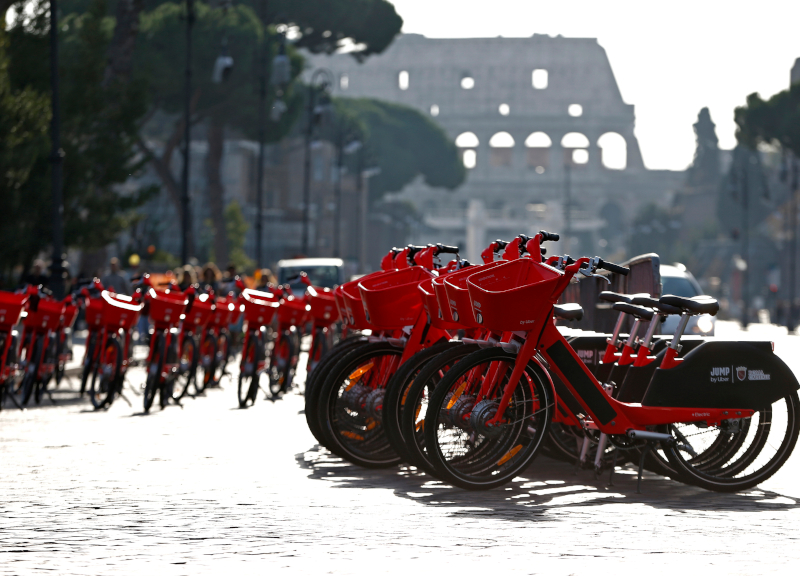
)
(50, 396)
(613, 467)
(645, 452)
(14, 400)
(121, 395)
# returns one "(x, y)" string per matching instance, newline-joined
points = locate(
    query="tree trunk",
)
(216, 191)
(120, 51)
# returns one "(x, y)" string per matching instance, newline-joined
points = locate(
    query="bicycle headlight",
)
(705, 324)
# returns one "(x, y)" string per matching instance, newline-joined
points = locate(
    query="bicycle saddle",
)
(653, 303)
(609, 296)
(568, 311)
(637, 311)
(695, 305)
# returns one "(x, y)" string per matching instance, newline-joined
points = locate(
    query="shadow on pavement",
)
(547, 484)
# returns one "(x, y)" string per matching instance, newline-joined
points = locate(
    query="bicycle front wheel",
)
(105, 374)
(249, 373)
(30, 379)
(467, 447)
(187, 368)
(281, 369)
(208, 361)
(154, 368)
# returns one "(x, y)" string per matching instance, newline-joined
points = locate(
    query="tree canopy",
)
(776, 120)
(405, 144)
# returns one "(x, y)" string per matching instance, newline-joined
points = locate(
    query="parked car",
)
(324, 272)
(678, 281)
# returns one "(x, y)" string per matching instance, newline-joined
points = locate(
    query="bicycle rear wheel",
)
(350, 406)
(415, 404)
(465, 448)
(397, 389)
(762, 445)
(317, 377)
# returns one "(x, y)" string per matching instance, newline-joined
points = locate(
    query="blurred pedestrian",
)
(210, 277)
(36, 276)
(187, 277)
(115, 280)
(265, 278)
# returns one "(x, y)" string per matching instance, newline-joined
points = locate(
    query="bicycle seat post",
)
(675, 344)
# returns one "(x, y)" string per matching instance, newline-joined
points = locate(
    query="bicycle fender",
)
(723, 375)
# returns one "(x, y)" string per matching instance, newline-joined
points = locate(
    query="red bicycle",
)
(259, 310)
(171, 353)
(488, 416)
(12, 305)
(215, 342)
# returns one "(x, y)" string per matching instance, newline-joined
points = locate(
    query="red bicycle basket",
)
(225, 313)
(47, 316)
(200, 313)
(259, 308)
(431, 305)
(455, 287)
(166, 307)
(70, 313)
(515, 296)
(340, 307)
(393, 300)
(94, 312)
(120, 311)
(324, 310)
(11, 307)
(354, 307)
(292, 311)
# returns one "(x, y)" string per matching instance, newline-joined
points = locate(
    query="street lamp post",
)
(56, 160)
(187, 134)
(341, 150)
(314, 112)
(362, 192)
(280, 75)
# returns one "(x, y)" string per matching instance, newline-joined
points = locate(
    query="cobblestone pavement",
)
(209, 488)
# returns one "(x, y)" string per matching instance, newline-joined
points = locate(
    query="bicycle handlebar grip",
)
(615, 268)
(444, 249)
(414, 249)
(499, 245)
(549, 236)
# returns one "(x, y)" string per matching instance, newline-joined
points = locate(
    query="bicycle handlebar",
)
(615, 268)
(548, 236)
(444, 249)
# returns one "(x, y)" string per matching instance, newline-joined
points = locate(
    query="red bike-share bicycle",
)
(172, 352)
(488, 416)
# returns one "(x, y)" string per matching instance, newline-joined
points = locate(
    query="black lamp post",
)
(56, 161)
(281, 75)
(342, 148)
(186, 224)
(315, 111)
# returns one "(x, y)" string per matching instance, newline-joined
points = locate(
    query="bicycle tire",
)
(50, 359)
(736, 474)
(88, 362)
(155, 367)
(412, 417)
(279, 364)
(31, 377)
(317, 377)
(223, 356)
(187, 368)
(249, 373)
(348, 418)
(397, 390)
(105, 376)
(480, 457)
(208, 360)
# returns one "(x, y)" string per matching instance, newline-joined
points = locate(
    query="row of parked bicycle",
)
(461, 371)
(190, 343)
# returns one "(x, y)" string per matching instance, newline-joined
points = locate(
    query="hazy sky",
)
(670, 58)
